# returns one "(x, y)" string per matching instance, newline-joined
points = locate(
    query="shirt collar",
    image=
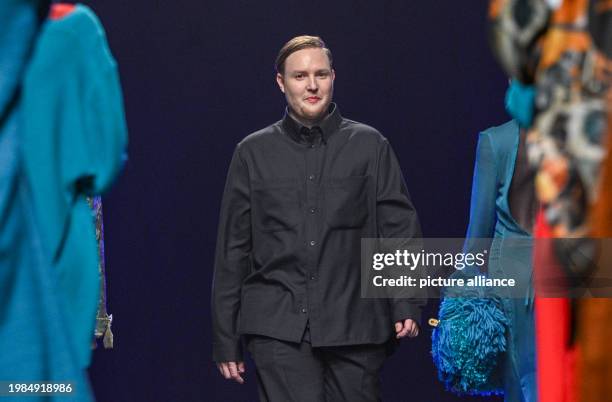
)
(326, 127)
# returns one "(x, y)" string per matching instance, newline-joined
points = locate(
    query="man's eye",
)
(299, 76)
(323, 75)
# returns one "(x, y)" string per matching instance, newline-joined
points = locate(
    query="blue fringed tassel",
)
(469, 342)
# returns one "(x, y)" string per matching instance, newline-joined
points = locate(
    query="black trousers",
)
(297, 372)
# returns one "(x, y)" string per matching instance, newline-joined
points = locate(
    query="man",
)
(300, 195)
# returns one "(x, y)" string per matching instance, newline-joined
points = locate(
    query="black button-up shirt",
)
(296, 204)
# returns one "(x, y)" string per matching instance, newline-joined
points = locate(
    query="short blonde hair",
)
(299, 43)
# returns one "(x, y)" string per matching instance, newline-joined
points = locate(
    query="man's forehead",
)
(309, 58)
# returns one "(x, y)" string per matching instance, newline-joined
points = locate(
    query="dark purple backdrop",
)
(197, 77)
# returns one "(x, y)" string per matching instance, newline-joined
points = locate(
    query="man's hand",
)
(408, 327)
(232, 370)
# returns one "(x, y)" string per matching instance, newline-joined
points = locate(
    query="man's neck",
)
(307, 123)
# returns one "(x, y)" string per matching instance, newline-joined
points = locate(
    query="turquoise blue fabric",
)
(47, 163)
(520, 102)
(74, 139)
(18, 29)
(33, 337)
(509, 254)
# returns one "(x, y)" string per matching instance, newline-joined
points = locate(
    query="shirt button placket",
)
(312, 166)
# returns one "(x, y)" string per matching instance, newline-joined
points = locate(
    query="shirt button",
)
(313, 210)
(311, 177)
(304, 311)
(312, 277)
(313, 243)
(312, 145)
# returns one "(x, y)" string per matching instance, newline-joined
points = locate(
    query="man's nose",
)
(312, 84)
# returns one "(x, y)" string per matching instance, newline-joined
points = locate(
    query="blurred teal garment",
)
(493, 227)
(19, 25)
(62, 135)
(74, 139)
(34, 343)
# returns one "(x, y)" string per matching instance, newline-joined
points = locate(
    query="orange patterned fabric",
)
(565, 52)
(594, 315)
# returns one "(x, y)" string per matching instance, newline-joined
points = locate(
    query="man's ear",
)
(281, 82)
(333, 74)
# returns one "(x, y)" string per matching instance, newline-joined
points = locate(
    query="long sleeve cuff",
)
(402, 310)
(228, 352)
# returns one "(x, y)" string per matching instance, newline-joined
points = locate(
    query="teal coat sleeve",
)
(484, 192)
(74, 144)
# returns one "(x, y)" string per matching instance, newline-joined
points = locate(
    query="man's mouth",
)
(313, 99)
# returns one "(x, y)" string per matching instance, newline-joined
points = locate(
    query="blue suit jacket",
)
(492, 226)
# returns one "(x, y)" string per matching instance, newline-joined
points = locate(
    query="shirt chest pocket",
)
(275, 205)
(346, 201)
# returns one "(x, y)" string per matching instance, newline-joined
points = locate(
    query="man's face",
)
(308, 84)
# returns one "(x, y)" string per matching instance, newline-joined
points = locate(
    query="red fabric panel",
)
(555, 360)
(60, 10)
